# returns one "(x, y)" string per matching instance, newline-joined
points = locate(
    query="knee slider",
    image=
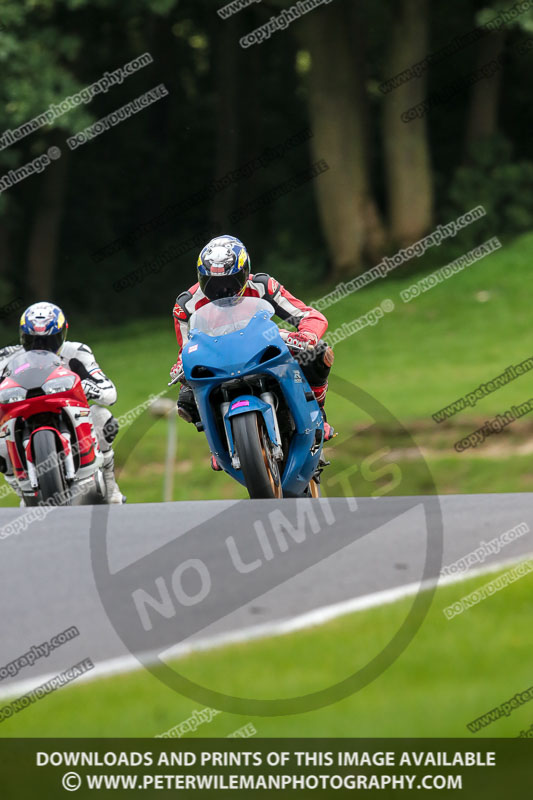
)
(317, 368)
(110, 430)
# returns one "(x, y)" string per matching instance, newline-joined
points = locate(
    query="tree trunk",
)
(375, 230)
(45, 228)
(337, 107)
(406, 148)
(482, 119)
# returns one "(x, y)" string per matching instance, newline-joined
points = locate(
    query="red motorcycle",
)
(51, 442)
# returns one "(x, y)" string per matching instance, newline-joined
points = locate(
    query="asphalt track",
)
(212, 568)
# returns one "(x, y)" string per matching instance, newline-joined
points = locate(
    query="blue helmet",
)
(43, 327)
(223, 268)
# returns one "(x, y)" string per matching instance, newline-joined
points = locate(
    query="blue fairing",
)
(238, 354)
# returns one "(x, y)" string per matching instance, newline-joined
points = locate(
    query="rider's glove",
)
(177, 369)
(302, 340)
(92, 391)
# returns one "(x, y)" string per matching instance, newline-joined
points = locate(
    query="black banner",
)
(322, 768)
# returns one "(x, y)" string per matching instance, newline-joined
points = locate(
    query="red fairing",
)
(60, 372)
(65, 444)
(76, 393)
(8, 383)
(51, 403)
(83, 442)
(15, 459)
(86, 443)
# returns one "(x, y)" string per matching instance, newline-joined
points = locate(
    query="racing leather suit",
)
(98, 388)
(286, 306)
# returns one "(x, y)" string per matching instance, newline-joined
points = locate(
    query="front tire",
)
(314, 488)
(261, 472)
(51, 481)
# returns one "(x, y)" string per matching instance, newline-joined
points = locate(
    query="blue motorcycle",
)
(260, 417)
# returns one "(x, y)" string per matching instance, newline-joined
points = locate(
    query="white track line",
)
(310, 619)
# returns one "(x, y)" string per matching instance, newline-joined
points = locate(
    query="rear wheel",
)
(260, 470)
(51, 479)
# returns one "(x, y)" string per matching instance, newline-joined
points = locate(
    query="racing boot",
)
(320, 394)
(114, 495)
(13, 484)
(187, 408)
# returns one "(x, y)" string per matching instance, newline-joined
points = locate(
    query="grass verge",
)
(452, 672)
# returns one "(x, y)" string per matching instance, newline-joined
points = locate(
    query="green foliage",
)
(51, 49)
(31, 45)
(503, 185)
(490, 12)
(414, 362)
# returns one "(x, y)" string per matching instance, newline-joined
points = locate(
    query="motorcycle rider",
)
(43, 327)
(224, 271)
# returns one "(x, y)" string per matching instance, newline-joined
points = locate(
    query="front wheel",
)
(313, 488)
(51, 480)
(260, 470)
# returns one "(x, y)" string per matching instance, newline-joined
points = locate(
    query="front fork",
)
(268, 397)
(68, 461)
(277, 450)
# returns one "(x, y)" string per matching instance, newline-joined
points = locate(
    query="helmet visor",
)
(53, 342)
(215, 287)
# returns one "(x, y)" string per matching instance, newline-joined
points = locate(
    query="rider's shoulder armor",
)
(271, 285)
(180, 309)
(80, 359)
(77, 350)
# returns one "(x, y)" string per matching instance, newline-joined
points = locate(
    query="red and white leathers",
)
(306, 319)
(286, 306)
(98, 388)
(310, 323)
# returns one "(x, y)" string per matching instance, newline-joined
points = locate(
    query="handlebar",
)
(293, 345)
(177, 379)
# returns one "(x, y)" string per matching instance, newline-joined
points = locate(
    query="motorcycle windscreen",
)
(228, 315)
(31, 369)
